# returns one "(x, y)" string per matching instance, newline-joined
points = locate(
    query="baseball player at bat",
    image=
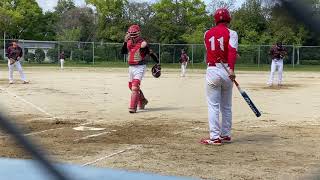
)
(138, 50)
(14, 54)
(221, 47)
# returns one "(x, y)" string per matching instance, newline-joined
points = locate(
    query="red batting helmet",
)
(222, 15)
(134, 31)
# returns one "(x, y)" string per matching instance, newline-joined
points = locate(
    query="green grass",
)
(239, 67)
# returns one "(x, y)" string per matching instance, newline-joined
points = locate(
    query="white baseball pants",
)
(61, 63)
(183, 69)
(19, 67)
(219, 97)
(136, 72)
(276, 64)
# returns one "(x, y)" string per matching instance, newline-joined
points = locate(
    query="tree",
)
(112, 22)
(39, 55)
(216, 4)
(19, 18)
(250, 22)
(175, 18)
(64, 6)
(81, 28)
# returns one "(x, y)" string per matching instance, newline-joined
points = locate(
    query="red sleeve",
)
(232, 49)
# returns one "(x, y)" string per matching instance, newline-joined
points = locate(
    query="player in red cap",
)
(137, 49)
(221, 45)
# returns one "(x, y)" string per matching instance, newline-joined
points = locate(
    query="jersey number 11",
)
(213, 45)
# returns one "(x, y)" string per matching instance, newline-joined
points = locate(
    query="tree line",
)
(164, 21)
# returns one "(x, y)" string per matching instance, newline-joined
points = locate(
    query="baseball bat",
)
(243, 94)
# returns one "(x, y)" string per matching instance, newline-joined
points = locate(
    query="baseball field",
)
(80, 115)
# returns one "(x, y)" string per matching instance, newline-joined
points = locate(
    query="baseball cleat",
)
(25, 82)
(10, 82)
(225, 139)
(208, 141)
(143, 103)
(132, 110)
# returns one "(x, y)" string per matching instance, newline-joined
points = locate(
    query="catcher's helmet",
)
(222, 15)
(134, 31)
(156, 71)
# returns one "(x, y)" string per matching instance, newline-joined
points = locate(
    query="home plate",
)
(84, 128)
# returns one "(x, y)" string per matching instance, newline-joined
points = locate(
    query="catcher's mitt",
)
(156, 70)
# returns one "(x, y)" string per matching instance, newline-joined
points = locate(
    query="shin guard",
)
(135, 94)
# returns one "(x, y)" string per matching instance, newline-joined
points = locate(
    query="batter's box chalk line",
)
(30, 103)
(111, 155)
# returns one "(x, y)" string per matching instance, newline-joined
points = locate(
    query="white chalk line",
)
(28, 102)
(110, 155)
(181, 132)
(283, 125)
(95, 135)
(40, 132)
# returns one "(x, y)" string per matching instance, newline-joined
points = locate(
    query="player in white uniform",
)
(184, 58)
(277, 52)
(14, 54)
(221, 46)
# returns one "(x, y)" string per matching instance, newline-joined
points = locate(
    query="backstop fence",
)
(101, 52)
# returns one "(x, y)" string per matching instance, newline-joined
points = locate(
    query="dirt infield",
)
(282, 144)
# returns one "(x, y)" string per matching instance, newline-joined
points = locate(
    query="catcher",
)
(14, 54)
(138, 50)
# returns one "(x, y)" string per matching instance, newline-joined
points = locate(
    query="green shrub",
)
(166, 57)
(39, 55)
(30, 57)
(53, 55)
(310, 62)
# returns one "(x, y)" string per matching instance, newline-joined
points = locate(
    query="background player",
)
(184, 58)
(61, 57)
(137, 49)
(221, 45)
(14, 54)
(277, 52)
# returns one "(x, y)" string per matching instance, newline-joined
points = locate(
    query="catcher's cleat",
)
(208, 141)
(132, 110)
(142, 103)
(225, 139)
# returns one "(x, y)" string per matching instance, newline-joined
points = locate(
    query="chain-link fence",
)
(100, 52)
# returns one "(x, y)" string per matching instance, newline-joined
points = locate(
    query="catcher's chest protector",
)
(135, 56)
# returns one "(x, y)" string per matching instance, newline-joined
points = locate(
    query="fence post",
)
(298, 55)
(192, 54)
(259, 55)
(92, 52)
(58, 51)
(293, 56)
(4, 46)
(159, 53)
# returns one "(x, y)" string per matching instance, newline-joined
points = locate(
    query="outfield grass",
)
(242, 67)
